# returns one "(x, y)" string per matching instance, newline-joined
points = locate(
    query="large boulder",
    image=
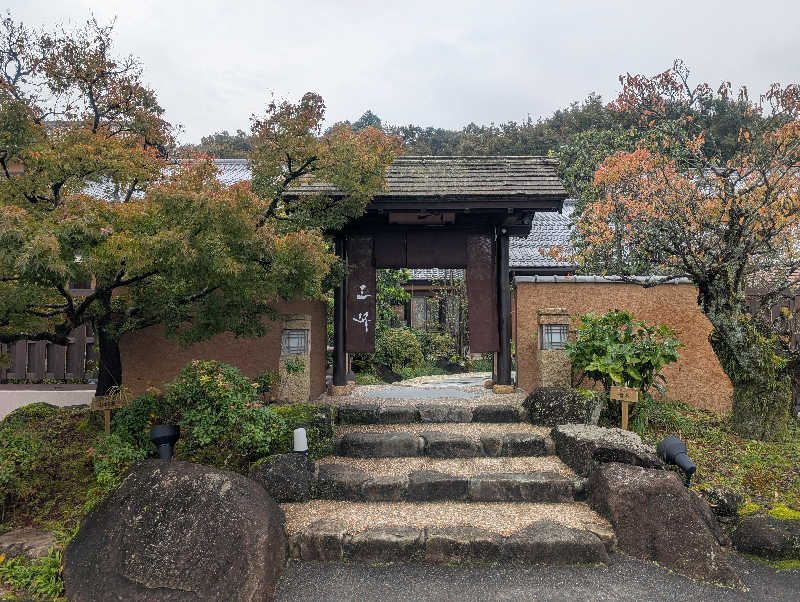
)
(178, 531)
(656, 518)
(549, 406)
(286, 477)
(772, 538)
(583, 447)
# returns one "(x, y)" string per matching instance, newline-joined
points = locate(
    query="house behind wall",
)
(696, 378)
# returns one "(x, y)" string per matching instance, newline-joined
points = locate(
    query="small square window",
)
(294, 341)
(553, 336)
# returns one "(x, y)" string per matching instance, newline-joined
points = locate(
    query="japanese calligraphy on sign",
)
(361, 310)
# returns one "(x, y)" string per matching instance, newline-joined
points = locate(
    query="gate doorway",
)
(441, 212)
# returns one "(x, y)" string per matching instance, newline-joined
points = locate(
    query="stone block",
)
(450, 445)
(398, 415)
(431, 485)
(386, 544)
(553, 543)
(444, 413)
(523, 444)
(540, 487)
(358, 414)
(461, 544)
(496, 413)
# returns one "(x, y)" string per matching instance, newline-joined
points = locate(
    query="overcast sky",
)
(436, 62)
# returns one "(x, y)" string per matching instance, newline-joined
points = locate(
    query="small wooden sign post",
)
(106, 404)
(626, 395)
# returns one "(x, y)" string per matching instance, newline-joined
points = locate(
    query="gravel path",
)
(461, 467)
(624, 578)
(469, 429)
(500, 517)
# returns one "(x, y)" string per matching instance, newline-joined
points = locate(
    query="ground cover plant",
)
(765, 473)
(56, 463)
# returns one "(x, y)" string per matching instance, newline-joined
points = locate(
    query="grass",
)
(765, 473)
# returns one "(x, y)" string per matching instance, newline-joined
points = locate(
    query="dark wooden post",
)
(503, 376)
(339, 355)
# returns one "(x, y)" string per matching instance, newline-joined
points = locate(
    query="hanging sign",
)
(360, 307)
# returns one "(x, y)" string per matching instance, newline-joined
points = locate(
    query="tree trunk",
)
(109, 370)
(761, 384)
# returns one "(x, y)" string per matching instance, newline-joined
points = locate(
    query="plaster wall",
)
(149, 359)
(696, 378)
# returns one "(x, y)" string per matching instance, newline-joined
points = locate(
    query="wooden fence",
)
(42, 361)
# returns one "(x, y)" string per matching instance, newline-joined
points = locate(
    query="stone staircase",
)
(447, 482)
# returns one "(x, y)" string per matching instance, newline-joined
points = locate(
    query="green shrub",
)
(40, 576)
(398, 348)
(436, 346)
(111, 457)
(615, 349)
(223, 421)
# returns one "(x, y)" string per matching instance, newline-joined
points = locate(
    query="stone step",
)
(450, 532)
(444, 440)
(479, 480)
(428, 412)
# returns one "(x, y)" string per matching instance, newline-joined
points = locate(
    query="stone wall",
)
(149, 359)
(696, 378)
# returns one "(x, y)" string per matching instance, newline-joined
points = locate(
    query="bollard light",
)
(673, 451)
(164, 437)
(300, 441)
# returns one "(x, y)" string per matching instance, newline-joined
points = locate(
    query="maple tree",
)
(710, 192)
(87, 191)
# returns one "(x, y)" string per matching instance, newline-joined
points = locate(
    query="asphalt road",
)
(624, 578)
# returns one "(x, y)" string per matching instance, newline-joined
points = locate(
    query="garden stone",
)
(553, 543)
(657, 519)
(523, 444)
(461, 544)
(340, 482)
(178, 531)
(386, 544)
(286, 477)
(397, 415)
(496, 413)
(584, 447)
(323, 540)
(449, 445)
(723, 502)
(379, 445)
(431, 485)
(543, 486)
(444, 413)
(28, 542)
(385, 488)
(551, 406)
(358, 414)
(772, 538)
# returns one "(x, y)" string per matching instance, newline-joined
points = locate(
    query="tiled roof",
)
(232, 171)
(410, 176)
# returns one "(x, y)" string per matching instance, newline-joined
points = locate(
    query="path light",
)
(164, 437)
(300, 441)
(673, 451)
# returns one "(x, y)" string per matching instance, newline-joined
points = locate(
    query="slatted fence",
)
(42, 361)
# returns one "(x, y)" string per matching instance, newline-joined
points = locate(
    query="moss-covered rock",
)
(551, 406)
